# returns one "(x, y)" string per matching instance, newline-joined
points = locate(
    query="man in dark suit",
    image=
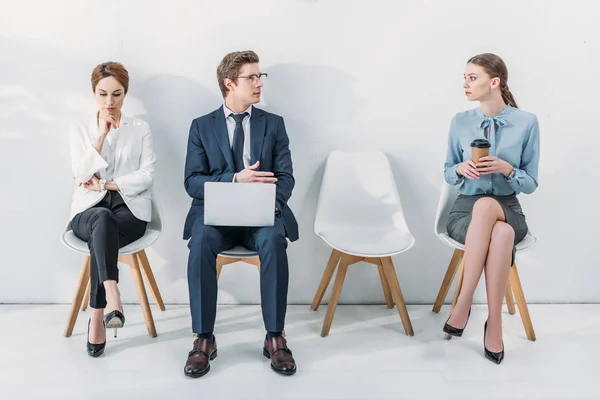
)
(239, 143)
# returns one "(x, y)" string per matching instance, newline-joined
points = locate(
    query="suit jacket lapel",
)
(220, 131)
(257, 134)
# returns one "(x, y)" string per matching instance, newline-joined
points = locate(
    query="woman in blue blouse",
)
(487, 216)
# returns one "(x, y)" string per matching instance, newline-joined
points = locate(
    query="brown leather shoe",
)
(281, 357)
(198, 362)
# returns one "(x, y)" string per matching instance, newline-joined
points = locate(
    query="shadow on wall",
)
(41, 94)
(171, 103)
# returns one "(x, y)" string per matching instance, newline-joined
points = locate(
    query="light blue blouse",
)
(517, 141)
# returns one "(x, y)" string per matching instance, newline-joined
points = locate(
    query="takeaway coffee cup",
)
(479, 148)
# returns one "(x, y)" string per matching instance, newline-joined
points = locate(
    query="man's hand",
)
(251, 175)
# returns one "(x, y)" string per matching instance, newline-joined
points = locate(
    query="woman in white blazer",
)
(113, 165)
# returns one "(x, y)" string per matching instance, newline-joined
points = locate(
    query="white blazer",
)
(133, 169)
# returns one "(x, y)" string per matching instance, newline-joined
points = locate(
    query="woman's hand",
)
(468, 169)
(92, 184)
(493, 165)
(106, 121)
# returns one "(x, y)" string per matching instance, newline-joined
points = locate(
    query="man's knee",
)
(270, 239)
(205, 238)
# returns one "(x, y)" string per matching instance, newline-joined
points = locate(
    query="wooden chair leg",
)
(521, 303)
(134, 267)
(461, 275)
(335, 294)
(86, 297)
(392, 278)
(334, 258)
(84, 278)
(510, 301)
(223, 260)
(219, 266)
(387, 293)
(448, 278)
(147, 270)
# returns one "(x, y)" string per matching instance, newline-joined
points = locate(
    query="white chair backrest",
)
(447, 198)
(358, 190)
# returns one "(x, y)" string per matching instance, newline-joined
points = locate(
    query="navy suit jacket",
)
(209, 159)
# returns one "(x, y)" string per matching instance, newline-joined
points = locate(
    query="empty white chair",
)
(134, 255)
(448, 196)
(359, 214)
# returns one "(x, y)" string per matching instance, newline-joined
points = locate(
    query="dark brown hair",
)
(115, 69)
(231, 66)
(495, 67)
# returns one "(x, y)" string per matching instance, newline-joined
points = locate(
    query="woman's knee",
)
(486, 208)
(104, 217)
(503, 232)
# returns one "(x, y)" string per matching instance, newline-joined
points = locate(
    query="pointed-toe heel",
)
(94, 350)
(450, 330)
(496, 358)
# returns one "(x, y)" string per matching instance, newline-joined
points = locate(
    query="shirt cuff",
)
(513, 181)
(453, 178)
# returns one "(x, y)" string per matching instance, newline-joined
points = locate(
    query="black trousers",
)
(106, 227)
(207, 241)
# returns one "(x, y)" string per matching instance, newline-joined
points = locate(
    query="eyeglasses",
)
(255, 78)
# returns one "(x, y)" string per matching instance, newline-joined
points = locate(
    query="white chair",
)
(447, 198)
(134, 255)
(238, 253)
(359, 214)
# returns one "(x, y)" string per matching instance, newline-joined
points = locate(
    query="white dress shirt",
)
(108, 153)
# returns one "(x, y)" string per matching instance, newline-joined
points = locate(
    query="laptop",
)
(239, 204)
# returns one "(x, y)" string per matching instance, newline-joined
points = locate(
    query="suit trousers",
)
(208, 241)
(106, 227)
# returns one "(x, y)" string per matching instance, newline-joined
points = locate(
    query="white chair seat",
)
(368, 242)
(238, 252)
(78, 245)
(525, 244)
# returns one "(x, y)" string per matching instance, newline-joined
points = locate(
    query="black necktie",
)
(238, 142)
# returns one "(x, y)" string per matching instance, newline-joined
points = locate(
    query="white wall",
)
(353, 75)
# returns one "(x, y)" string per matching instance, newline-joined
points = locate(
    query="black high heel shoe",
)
(450, 330)
(490, 355)
(94, 350)
(114, 319)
